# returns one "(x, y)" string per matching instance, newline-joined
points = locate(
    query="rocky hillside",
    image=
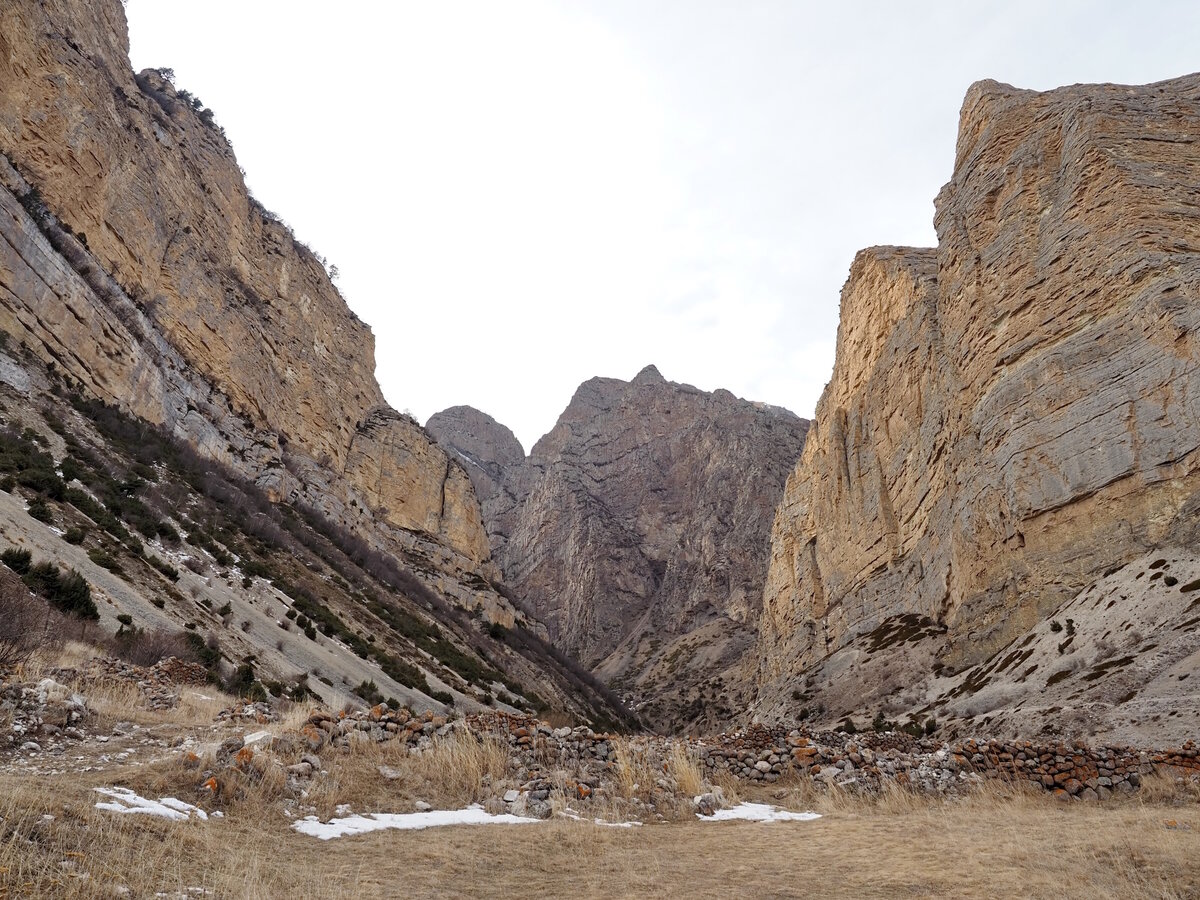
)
(637, 532)
(135, 260)
(1012, 419)
(137, 271)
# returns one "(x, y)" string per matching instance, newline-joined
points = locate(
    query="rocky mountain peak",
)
(649, 375)
(637, 531)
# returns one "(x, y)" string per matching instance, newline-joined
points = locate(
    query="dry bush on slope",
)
(26, 622)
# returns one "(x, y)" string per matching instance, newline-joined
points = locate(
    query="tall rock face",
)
(136, 269)
(134, 259)
(494, 460)
(1016, 412)
(637, 531)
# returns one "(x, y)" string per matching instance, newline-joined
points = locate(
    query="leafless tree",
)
(26, 622)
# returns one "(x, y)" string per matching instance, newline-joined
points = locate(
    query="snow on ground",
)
(352, 825)
(572, 814)
(166, 808)
(757, 812)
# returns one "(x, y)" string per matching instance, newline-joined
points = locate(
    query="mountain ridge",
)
(636, 530)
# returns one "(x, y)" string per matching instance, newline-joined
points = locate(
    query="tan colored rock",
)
(1018, 411)
(235, 337)
(492, 457)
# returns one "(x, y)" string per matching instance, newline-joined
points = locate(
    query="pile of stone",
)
(378, 724)
(258, 712)
(159, 684)
(33, 714)
(867, 761)
(580, 765)
(863, 762)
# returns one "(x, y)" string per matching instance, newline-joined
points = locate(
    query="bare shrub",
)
(145, 648)
(26, 622)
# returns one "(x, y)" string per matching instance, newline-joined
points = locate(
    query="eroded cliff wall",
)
(1018, 411)
(637, 531)
(216, 321)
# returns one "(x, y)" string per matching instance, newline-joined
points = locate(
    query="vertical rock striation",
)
(637, 532)
(1018, 411)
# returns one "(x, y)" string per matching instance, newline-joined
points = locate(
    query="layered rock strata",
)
(1016, 412)
(133, 258)
(637, 532)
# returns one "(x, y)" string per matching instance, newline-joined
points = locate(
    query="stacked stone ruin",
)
(863, 762)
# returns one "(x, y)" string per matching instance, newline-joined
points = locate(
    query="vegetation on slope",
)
(130, 494)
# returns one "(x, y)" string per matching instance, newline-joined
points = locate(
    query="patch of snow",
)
(466, 458)
(757, 812)
(571, 814)
(166, 808)
(256, 738)
(352, 825)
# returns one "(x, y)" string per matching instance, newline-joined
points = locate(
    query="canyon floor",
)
(999, 846)
(993, 840)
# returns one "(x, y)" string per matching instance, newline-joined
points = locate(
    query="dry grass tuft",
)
(636, 771)
(684, 767)
(1163, 788)
(462, 764)
(47, 657)
(454, 771)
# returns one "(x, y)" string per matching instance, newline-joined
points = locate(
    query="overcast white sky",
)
(521, 195)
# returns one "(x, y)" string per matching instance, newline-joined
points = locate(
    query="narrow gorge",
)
(637, 531)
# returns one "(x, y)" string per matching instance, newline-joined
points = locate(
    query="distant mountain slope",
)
(637, 531)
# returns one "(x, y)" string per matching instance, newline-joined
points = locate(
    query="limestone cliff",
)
(494, 460)
(1013, 413)
(136, 269)
(170, 291)
(637, 532)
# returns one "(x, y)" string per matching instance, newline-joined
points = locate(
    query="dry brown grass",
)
(462, 764)
(1165, 788)
(454, 771)
(66, 655)
(998, 842)
(636, 770)
(994, 844)
(115, 700)
(684, 767)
